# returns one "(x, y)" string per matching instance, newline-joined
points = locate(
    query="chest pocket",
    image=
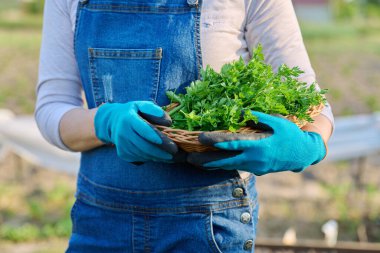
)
(122, 75)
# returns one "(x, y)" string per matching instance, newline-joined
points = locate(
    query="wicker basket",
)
(188, 140)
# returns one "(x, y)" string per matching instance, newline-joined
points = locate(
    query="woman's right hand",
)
(127, 127)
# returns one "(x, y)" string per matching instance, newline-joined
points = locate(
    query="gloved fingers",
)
(200, 159)
(165, 120)
(256, 125)
(145, 130)
(265, 118)
(233, 141)
(166, 143)
(251, 167)
(150, 108)
(138, 157)
(180, 156)
(234, 161)
(244, 167)
(148, 157)
(259, 173)
(257, 145)
(137, 163)
(212, 138)
(127, 155)
(149, 150)
(260, 168)
(259, 126)
(298, 170)
(269, 121)
(219, 168)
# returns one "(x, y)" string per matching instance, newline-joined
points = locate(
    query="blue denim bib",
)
(137, 50)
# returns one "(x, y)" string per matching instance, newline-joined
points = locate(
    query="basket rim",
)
(314, 111)
(188, 140)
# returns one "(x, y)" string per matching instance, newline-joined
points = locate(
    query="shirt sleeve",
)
(59, 87)
(273, 23)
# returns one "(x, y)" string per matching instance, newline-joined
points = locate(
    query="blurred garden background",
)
(343, 41)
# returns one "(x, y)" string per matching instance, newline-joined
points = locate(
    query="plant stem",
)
(176, 109)
(174, 97)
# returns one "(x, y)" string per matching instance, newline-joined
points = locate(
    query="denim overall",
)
(129, 50)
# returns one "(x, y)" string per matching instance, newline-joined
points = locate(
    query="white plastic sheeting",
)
(354, 137)
(21, 135)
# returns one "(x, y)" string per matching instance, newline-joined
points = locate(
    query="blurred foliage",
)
(35, 7)
(34, 208)
(344, 9)
(47, 215)
(24, 22)
(19, 51)
(25, 232)
(371, 9)
(32, 6)
(354, 207)
(351, 31)
(345, 57)
(353, 9)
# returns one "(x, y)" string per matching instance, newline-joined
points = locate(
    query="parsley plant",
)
(216, 102)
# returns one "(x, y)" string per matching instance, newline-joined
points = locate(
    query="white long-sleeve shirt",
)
(229, 30)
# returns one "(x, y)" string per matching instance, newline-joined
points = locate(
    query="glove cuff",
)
(101, 123)
(319, 146)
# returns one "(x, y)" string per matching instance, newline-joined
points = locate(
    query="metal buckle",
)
(192, 2)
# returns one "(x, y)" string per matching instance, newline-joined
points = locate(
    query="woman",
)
(137, 192)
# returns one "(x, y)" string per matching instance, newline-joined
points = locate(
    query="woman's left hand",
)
(281, 147)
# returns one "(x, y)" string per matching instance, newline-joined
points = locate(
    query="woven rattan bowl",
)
(188, 140)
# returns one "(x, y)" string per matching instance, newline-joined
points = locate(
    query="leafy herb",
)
(216, 102)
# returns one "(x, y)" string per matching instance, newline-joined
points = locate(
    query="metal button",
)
(248, 245)
(237, 192)
(192, 2)
(245, 217)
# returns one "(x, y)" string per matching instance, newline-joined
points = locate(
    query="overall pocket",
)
(232, 230)
(123, 75)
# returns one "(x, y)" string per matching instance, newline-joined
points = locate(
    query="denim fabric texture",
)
(196, 219)
(136, 51)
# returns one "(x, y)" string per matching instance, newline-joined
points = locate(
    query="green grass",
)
(45, 214)
(31, 22)
(8, 4)
(338, 38)
(17, 15)
(25, 41)
(19, 54)
(345, 57)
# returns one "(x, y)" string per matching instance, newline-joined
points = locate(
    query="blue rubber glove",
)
(127, 127)
(281, 147)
